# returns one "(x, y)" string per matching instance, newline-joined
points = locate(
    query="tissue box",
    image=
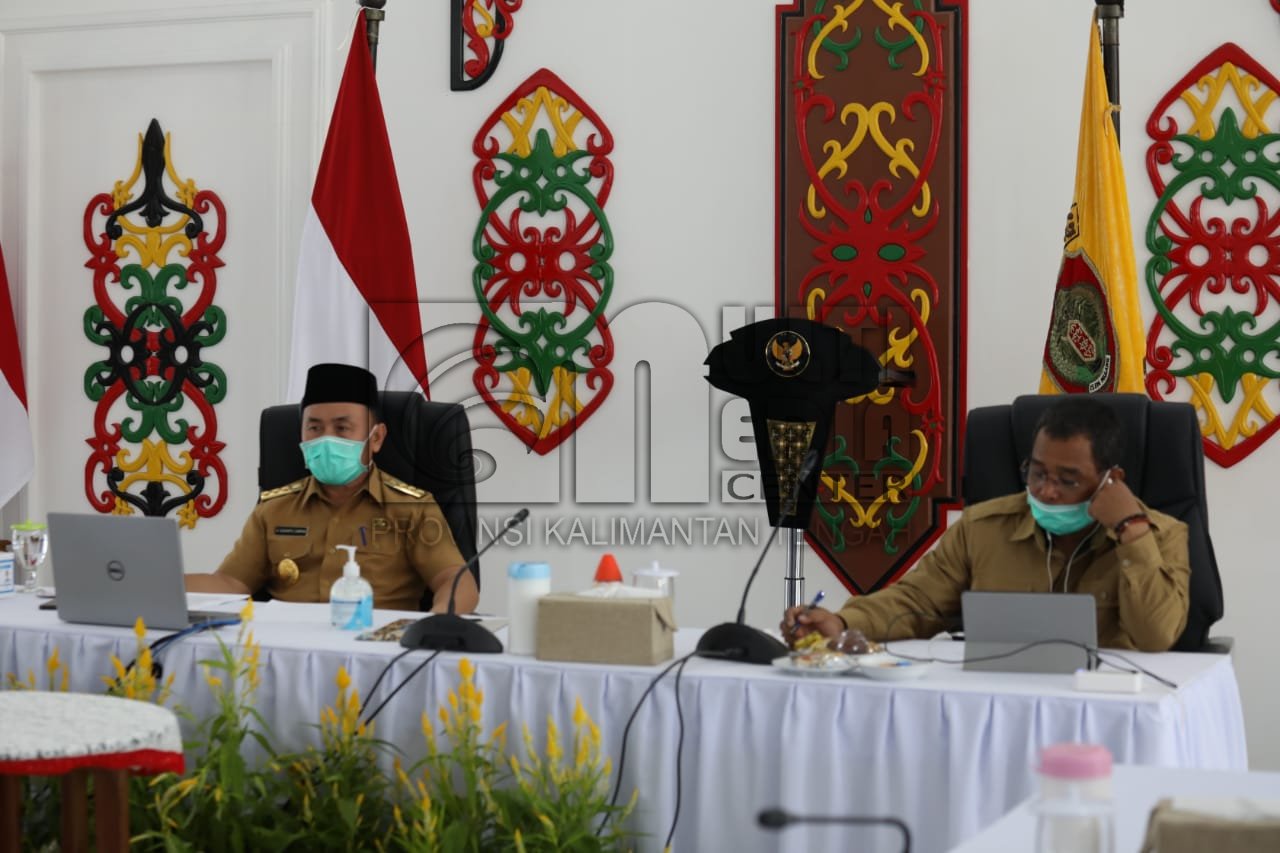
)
(1224, 826)
(605, 630)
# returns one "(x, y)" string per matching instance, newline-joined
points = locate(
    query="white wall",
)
(687, 89)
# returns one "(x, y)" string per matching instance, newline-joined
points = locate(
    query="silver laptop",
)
(111, 570)
(997, 623)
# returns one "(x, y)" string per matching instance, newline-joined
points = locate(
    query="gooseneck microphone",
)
(450, 632)
(736, 640)
(779, 819)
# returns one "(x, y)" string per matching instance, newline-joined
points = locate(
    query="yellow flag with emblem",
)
(1095, 340)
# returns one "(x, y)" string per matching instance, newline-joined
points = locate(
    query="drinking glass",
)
(30, 543)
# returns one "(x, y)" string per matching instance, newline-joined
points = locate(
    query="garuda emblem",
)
(787, 354)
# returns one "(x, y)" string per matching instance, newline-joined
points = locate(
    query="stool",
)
(72, 735)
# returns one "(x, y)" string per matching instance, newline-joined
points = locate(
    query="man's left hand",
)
(1113, 501)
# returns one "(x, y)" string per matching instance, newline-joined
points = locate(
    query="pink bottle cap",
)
(1075, 761)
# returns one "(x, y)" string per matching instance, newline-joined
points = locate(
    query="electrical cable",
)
(401, 685)
(675, 817)
(162, 643)
(378, 680)
(1136, 668)
(626, 732)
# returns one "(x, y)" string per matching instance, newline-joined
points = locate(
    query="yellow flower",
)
(466, 668)
(140, 629)
(500, 733)
(344, 680)
(579, 713)
(53, 663)
(246, 613)
(214, 681)
(117, 666)
(184, 787)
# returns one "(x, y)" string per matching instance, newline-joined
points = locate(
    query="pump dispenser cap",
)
(351, 569)
(607, 571)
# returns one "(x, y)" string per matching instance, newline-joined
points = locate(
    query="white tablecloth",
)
(949, 754)
(1136, 791)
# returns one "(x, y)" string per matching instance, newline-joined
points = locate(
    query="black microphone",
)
(738, 641)
(451, 632)
(779, 819)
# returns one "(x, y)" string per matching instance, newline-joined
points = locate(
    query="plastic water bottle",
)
(656, 577)
(351, 597)
(1074, 810)
(526, 583)
(6, 574)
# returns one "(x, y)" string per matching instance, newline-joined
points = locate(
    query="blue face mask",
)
(334, 461)
(1060, 519)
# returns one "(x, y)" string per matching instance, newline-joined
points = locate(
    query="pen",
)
(817, 599)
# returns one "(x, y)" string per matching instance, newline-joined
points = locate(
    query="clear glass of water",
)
(30, 544)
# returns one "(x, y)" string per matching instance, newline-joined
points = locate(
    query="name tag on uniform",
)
(291, 531)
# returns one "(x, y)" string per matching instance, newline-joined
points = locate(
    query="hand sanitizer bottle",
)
(351, 598)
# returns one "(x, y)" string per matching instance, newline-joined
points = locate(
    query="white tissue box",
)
(638, 631)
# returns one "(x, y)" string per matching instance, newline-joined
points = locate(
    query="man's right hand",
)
(215, 582)
(801, 620)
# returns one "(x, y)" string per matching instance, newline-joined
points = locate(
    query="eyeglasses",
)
(1037, 477)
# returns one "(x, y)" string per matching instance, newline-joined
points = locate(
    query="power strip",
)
(1108, 681)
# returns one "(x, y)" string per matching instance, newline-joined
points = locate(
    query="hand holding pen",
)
(802, 619)
(795, 622)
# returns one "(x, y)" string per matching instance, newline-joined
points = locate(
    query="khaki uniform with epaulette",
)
(289, 544)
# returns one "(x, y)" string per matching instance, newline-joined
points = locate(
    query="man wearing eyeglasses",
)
(1077, 528)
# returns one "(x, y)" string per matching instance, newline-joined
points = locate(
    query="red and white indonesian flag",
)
(17, 458)
(356, 300)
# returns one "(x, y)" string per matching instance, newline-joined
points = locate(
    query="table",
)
(71, 735)
(1136, 791)
(949, 754)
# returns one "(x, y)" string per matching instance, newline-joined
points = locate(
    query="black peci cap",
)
(340, 383)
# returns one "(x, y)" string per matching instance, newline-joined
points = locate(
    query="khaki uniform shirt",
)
(1140, 587)
(403, 542)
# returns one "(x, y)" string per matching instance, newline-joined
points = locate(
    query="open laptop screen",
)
(996, 623)
(111, 569)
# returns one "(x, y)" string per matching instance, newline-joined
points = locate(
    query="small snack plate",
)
(887, 667)
(840, 665)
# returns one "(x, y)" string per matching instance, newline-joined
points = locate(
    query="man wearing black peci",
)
(289, 544)
(1077, 528)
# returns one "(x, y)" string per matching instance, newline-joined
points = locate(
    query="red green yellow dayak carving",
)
(870, 190)
(1214, 238)
(154, 256)
(542, 275)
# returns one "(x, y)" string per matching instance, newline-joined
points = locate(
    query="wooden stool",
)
(72, 735)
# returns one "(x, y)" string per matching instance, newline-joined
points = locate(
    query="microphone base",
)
(450, 633)
(741, 643)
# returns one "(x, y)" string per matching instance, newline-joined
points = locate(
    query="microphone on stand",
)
(738, 641)
(450, 632)
(779, 819)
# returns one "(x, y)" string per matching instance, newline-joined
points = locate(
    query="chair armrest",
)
(1218, 645)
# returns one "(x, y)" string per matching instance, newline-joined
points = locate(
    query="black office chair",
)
(1163, 463)
(428, 445)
